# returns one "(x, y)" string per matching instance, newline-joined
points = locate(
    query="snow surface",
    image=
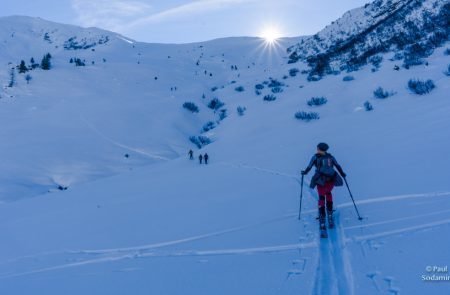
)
(157, 223)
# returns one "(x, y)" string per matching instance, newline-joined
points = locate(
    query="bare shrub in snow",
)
(421, 87)
(223, 114)
(317, 101)
(307, 116)
(191, 107)
(348, 78)
(380, 93)
(209, 126)
(447, 72)
(277, 89)
(240, 89)
(215, 104)
(270, 97)
(200, 140)
(368, 106)
(241, 110)
(293, 72)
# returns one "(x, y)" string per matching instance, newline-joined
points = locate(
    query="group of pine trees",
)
(45, 64)
(23, 68)
(78, 62)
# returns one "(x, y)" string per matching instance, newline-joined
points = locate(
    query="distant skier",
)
(206, 157)
(326, 178)
(200, 158)
(191, 155)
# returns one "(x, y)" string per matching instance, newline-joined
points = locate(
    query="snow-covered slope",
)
(411, 28)
(139, 217)
(73, 124)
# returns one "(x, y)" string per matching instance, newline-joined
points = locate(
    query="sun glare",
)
(270, 35)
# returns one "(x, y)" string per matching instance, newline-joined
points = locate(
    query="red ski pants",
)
(325, 192)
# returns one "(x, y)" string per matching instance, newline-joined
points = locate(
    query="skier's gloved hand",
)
(343, 175)
(304, 172)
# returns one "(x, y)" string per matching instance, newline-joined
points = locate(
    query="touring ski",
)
(323, 231)
(330, 220)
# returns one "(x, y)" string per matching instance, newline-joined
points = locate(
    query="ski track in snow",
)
(334, 272)
(273, 172)
(395, 198)
(323, 284)
(123, 146)
(394, 220)
(341, 258)
(191, 253)
(333, 257)
(181, 241)
(398, 231)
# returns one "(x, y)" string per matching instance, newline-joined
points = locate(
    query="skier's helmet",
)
(323, 146)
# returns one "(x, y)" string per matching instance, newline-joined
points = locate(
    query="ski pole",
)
(351, 196)
(301, 197)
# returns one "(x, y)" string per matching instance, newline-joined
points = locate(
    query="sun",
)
(270, 34)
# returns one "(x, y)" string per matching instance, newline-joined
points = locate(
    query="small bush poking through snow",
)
(241, 110)
(259, 86)
(239, 88)
(447, 51)
(293, 72)
(12, 78)
(277, 89)
(348, 78)
(447, 72)
(258, 92)
(421, 87)
(275, 83)
(317, 101)
(314, 78)
(209, 126)
(270, 97)
(307, 116)
(215, 104)
(28, 78)
(223, 114)
(368, 106)
(200, 140)
(381, 93)
(79, 62)
(191, 106)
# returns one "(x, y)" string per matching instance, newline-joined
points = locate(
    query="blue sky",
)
(181, 21)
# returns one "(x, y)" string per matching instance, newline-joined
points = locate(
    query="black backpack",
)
(325, 165)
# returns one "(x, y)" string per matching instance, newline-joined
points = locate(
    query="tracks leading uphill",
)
(334, 272)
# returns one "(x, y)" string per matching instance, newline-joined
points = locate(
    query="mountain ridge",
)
(427, 28)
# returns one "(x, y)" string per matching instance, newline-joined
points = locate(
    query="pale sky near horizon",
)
(182, 21)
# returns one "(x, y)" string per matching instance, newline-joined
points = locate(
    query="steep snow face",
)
(139, 217)
(414, 27)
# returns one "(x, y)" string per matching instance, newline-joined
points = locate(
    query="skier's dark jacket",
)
(320, 179)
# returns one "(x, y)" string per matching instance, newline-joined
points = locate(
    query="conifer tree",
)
(22, 67)
(45, 63)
